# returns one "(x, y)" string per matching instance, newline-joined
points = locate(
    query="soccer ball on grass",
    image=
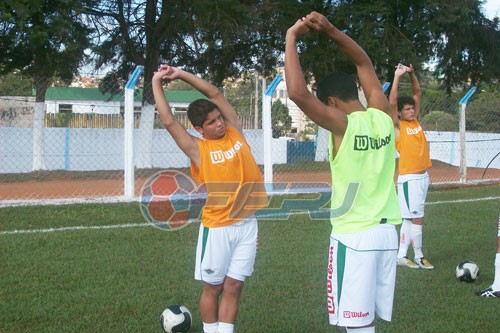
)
(176, 319)
(467, 271)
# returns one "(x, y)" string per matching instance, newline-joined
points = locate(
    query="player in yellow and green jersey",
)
(365, 211)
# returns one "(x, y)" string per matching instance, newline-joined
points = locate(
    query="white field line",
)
(136, 225)
(68, 201)
(462, 200)
(40, 231)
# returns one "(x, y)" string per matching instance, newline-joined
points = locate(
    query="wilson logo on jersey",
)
(364, 142)
(220, 156)
(413, 131)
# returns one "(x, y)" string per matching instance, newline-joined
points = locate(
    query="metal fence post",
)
(385, 86)
(463, 150)
(128, 134)
(267, 127)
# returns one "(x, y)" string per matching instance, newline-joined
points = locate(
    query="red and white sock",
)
(404, 238)
(416, 239)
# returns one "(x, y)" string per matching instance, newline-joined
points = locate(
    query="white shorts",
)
(360, 283)
(226, 251)
(412, 191)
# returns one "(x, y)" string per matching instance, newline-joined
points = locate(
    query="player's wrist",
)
(330, 29)
(157, 80)
(291, 36)
(333, 33)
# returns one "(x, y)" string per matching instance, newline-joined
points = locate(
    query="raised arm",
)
(416, 91)
(187, 143)
(329, 118)
(215, 95)
(393, 95)
(369, 82)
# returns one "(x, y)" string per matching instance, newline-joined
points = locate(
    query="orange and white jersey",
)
(413, 148)
(232, 179)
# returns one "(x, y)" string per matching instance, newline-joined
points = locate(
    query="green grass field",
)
(120, 276)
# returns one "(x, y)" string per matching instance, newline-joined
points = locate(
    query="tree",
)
(241, 93)
(216, 39)
(483, 111)
(439, 121)
(280, 119)
(43, 39)
(225, 38)
(463, 43)
(15, 84)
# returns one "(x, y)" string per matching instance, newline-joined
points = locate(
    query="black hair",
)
(198, 110)
(338, 84)
(405, 100)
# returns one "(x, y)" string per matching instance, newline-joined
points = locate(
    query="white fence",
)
(63, 162)
(94, 149)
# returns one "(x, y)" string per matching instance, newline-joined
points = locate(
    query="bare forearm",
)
(164, 111)
(295, 83)
(200, 84)
(298, 91)
(415, 85)
(393, 95)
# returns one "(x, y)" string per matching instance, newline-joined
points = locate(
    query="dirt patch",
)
(91, 187)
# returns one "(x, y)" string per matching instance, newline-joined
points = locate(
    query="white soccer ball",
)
(176, 319)
(467, 271)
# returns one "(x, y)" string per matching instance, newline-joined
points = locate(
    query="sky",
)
(492, 8)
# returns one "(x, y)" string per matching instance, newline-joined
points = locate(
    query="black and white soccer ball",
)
(176, 319)
(467, 271)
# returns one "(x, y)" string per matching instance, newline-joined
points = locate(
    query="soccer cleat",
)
(424, 263)
(404, 261)
(488, 292)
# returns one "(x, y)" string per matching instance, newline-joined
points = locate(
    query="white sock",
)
(210, 327)
(404, 238)
(225, 328)
(416, 239)
(496, 282)
(370, 329)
